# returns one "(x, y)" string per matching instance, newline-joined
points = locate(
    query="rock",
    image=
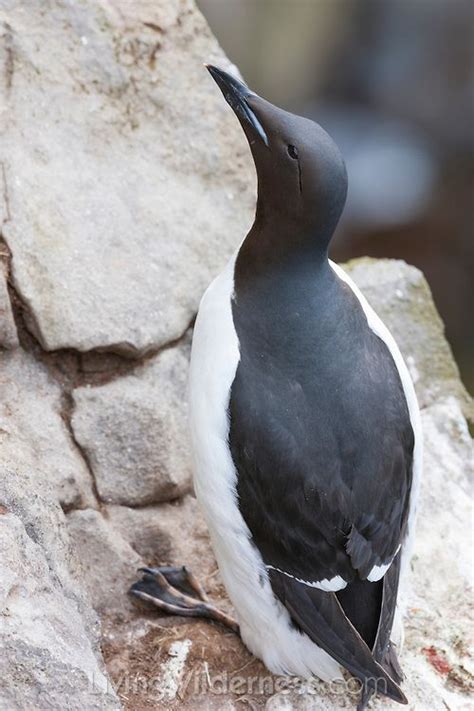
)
(169, 534)
(440, 611)
(437, 654)
(145, 529)
(113, 544)
(108, 563)
(33, 433)
(402, 298)
(33, 502)
(146, 185)
(49, 634)
(134, 433)
(48, 650)
(8, 334)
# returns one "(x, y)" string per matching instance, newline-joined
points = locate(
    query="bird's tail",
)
(391, 666)
(320, 615)
(383, 650)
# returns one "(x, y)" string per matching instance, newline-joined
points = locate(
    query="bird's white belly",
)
(265, 624)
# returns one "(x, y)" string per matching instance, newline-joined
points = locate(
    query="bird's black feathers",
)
(383, 650)
(322, 442)
(319, 429)
(321, 617)
(361, 601)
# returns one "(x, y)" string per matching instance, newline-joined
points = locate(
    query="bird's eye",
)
(292, 152)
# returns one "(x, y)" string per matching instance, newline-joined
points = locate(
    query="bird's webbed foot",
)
(178, 592)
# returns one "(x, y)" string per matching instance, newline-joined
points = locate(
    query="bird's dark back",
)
(318, 416)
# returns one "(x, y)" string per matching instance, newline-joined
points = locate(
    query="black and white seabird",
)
(305, 428)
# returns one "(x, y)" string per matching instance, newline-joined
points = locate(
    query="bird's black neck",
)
(284, 247)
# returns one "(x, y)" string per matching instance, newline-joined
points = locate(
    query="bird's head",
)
(302, 178)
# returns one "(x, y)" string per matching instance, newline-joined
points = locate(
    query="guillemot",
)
(305, 429)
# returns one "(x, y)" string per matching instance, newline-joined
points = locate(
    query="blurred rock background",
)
(392, 82)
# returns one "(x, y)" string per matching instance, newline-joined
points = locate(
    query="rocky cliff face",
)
(125, 184)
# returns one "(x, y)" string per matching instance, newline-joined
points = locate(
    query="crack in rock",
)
(5, 196)
(66, 414)
(70, 367)
(9, 62)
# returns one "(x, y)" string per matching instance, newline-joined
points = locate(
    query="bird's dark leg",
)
(178, 592)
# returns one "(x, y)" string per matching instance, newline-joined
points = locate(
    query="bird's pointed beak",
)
(236, 94)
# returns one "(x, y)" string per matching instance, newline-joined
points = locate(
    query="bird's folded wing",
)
(383, 651)
(320, 615)
(387, 613)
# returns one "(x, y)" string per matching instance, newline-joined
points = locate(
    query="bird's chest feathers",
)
(305, 340)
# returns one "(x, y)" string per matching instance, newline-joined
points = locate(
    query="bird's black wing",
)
(324, 478)
(320, 615)
(383, 650)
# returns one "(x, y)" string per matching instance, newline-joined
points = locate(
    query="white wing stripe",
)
(328, 585)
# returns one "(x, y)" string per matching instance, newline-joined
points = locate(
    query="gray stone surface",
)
(49, 634)
(113, 543)
(8, 333)
(402, 298)
(108, 563)
(134, 432)
(33, 433)
(146, 187)
(149, 531)
(167, 534)
(47, 660)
